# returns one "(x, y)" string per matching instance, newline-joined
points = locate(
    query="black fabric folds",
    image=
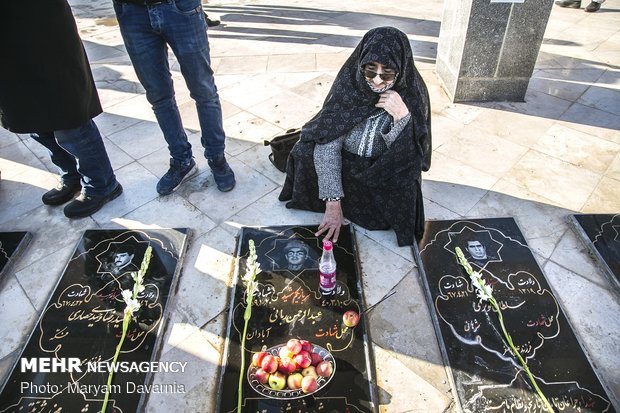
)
(383, 192)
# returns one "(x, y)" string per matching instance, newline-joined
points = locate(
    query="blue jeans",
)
(147, 32)
(81, 158)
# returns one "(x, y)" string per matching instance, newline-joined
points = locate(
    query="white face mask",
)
(381, 89)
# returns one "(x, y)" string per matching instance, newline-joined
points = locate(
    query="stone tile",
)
(560, 182)
(382, 269)
(22, 193)
(541, 222)
(519, 128)
(17, 317)
(291, 63)
(170, 211)
(286, 109)
(605, 198)
(203, 288)
(387, 239)
(401, 389)
(332, 61)
(47, 223)
(18, 159)
(269, 211)
(51, 267)
(444, 129)
(455, 185)
(614, 168)
(587, 306)
(242, 65)
(196, 384)
(250, 91)
(138, 189)
(578, 148)
(220, 206)
(136, 107)
(315, 89)
(141, 139)
(7, 138)
(538, 104)
(565, 83)
(593, 121)
(250, 128)
(572, 253)
(434, 211)
(482, 150)
(602, 98)
(109, 123)
(257, 157)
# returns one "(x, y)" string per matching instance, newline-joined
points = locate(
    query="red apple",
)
(287, 365)
(309, 371)
(269, 363)
(309, 384)
(306, 346)
(303, 359)
(262, 376)
(257, 358)
(316, 358)
(350, 318)
(324, 369)
(277, 381)
(294, 381)
(294, 345)
(285, 353)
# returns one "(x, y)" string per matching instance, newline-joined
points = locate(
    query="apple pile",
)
(295, 367)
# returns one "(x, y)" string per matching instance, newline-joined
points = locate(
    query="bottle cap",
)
(327, 245)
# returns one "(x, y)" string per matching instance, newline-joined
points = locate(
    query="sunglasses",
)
(371, 74)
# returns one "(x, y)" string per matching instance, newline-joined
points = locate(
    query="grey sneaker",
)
(223, 175)
(176, 175)
(569, 3)
(592, 7)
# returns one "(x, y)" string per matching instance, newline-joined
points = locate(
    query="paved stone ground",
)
(539, 161)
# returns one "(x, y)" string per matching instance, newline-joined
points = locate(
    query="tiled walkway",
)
(556, 154)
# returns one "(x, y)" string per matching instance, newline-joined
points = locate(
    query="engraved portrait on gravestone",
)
(479, 246)
(297, 256)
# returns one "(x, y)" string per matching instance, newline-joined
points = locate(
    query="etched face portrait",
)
(477, 250)
(295, 254)
(122, 258)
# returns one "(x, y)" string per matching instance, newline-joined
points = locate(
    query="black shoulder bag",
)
(281, 146)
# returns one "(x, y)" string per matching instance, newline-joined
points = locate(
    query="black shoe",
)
(61, 194)
(592, 7)
(223, 175)
(85, 205)
(211, 22)
(574, 4)
(176, 175)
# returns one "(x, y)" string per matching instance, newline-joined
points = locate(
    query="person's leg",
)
(185, 31)
(141, 30)
(69, 184)
(99, 184)
(64, 161)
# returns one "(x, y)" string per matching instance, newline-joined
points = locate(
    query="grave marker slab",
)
(12, 244)
(287, 305)
(82, 324)
(601, 235)
(484, 374)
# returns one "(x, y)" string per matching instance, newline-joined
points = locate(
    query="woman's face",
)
(379, 77)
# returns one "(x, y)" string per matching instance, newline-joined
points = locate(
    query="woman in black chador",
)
(362, 155)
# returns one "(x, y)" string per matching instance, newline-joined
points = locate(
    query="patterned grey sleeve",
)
(328, 165)
(398, 127)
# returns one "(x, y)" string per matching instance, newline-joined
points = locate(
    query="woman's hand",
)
(332, 220)
(393, 104)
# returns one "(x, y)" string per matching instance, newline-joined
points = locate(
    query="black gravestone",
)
(12, 245)
(83, 320)
(601, 234)
(288, 304)
(483, 372)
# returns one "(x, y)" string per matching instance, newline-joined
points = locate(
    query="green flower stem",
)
(137, 287)
(126, 320)
(252, 269)
(479, 284)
